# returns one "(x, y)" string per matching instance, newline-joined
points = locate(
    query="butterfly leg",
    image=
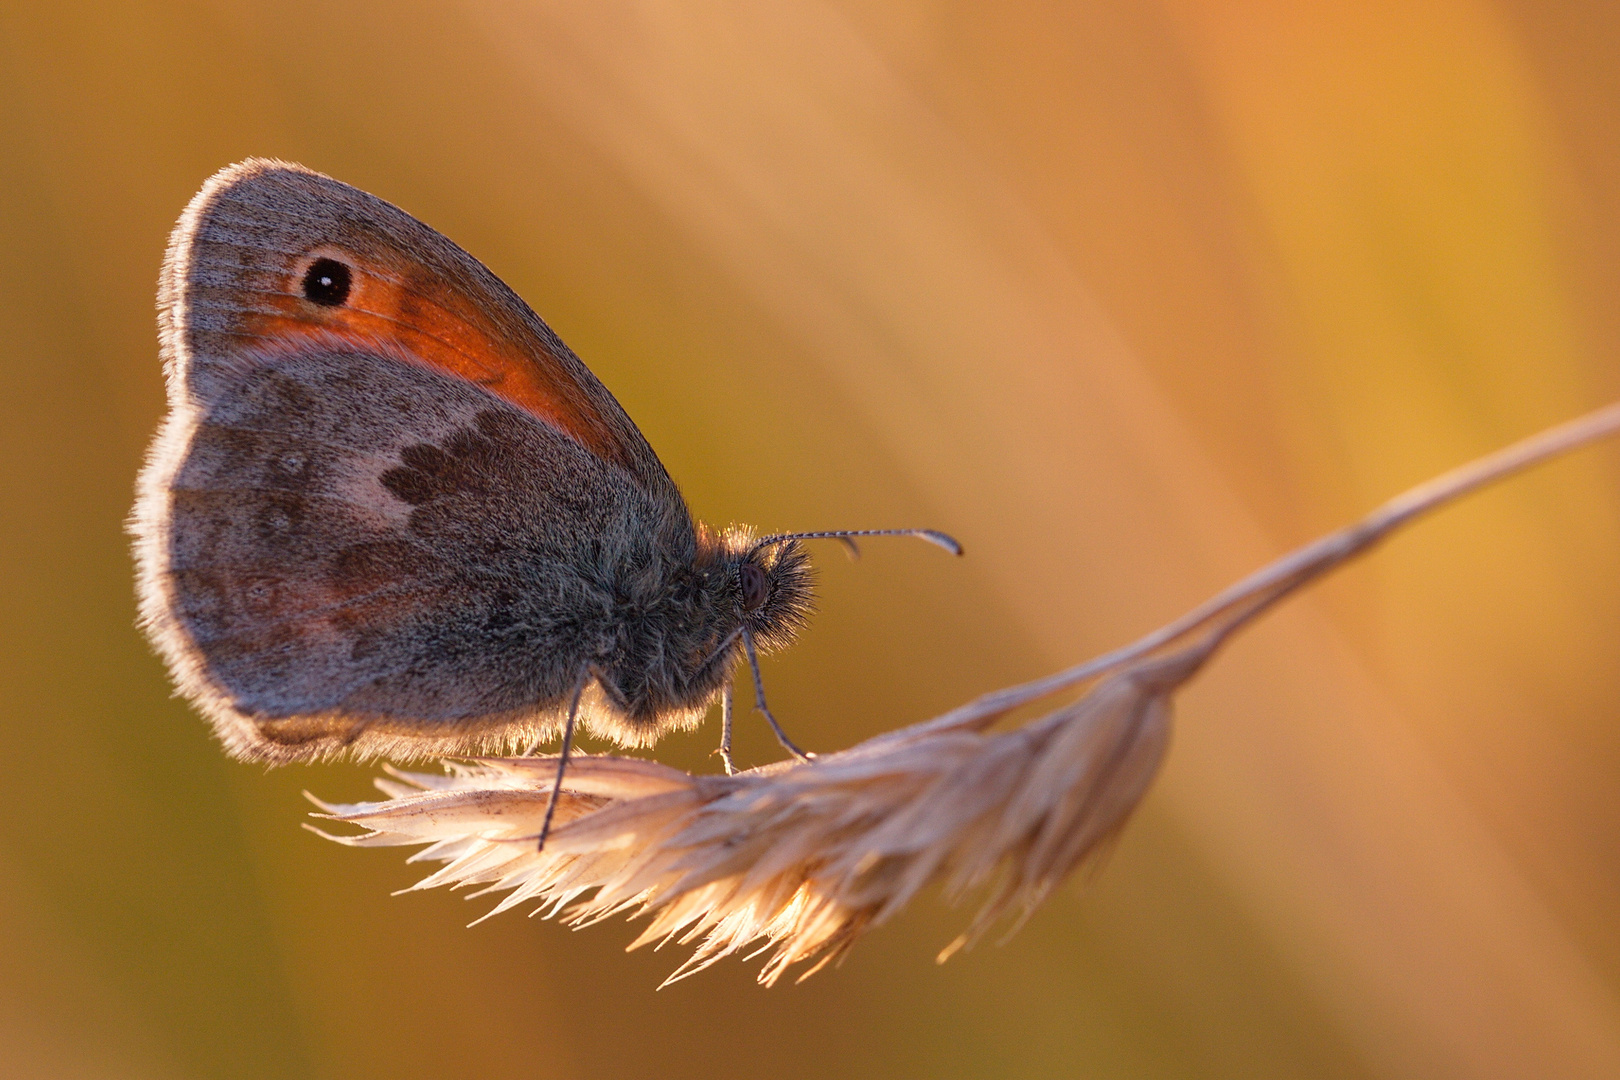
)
(567, 748)
(725, 729)
(759, 700)
(609, 688)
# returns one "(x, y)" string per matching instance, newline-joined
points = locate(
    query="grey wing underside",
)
(365, 554)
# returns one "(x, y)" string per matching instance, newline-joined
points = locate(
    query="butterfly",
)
(390, 513)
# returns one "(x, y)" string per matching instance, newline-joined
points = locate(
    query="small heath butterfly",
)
(390, 512)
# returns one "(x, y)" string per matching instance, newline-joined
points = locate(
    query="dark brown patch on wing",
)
(375, 564)
(467, 464)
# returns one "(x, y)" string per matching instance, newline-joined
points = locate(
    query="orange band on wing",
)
(434, 323)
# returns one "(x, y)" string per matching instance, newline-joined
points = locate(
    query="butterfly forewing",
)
(237, 277)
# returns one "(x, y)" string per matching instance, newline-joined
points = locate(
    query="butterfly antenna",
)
(846, 537)
(562, 759)
(759, 700)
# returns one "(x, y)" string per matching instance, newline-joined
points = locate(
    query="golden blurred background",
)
(1131, 297)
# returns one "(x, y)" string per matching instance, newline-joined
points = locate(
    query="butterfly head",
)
(769, 588)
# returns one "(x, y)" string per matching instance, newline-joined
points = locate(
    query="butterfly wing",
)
(383, 523)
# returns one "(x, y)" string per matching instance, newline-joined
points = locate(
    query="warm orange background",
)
(1129, 296)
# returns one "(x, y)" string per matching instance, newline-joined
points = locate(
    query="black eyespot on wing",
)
(327, 283)
(755, 588)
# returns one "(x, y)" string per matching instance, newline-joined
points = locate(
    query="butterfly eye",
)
(754, 586)
(327, 283)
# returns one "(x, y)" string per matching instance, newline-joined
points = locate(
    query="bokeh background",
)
(1130, 296)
